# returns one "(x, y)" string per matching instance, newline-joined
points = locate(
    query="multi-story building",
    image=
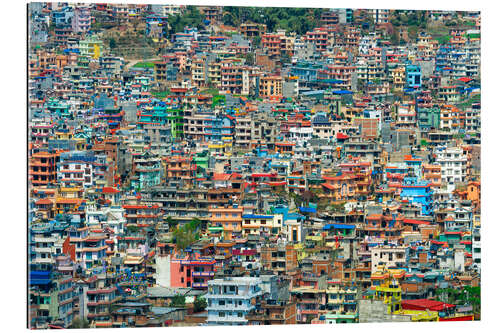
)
(380, 16)
(81, 19)
(229, 218)
(271, 87)
(341, 76)
(388, 257)
(230, 300)
(319, 38)
(256, 224)
(146, 171)
(280, 259)
(453, 163)
(192, 271)
(418, 192)
(90, 248)
(77, 168)
(43, 168)
(251, 30)
(413, 76)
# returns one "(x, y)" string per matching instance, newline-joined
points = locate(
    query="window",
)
(222, 314)
(222, 302)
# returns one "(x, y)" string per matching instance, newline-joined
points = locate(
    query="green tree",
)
(193, 225)
(228, 19)
(184, 237)
(171, 223)
(199, 304)
(256, 41)
(79, 323)
(132, 228)
(178, 301)
(112, 43)
(249, 58)
(395, 37)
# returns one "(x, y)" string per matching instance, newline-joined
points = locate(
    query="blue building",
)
(419, 193)
(219, 128)
(231, 299)
(62, 17)
(413, 76)
(306, 71)
(415, 164)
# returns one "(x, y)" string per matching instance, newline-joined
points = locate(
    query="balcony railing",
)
(208, 273)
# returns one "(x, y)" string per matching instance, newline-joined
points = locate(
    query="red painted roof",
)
(425, 304)
(342, 136)
(44, 202)
(221, 176)
(109, 190)
(410, 221)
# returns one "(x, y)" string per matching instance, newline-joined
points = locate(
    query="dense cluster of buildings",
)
(252, 177)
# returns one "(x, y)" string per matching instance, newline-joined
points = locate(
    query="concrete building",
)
(231, 299)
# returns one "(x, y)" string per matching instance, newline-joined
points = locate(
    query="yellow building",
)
(91, 46)
(271, 86)
(222, 148)
(386, 284)
(254, 224)
(398, 77)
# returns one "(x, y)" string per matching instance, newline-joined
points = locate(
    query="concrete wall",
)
(163, 271)
(375, 311)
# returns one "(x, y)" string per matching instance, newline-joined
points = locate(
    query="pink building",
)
(191, 270)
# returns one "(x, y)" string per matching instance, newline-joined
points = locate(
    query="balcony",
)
(204, 274)
(230, 307)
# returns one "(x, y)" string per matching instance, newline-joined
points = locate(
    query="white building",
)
(453, 163)
(476, 248)
(389, 256)
(231, 299)
(380, 16)
(300, 134)
(76, 168)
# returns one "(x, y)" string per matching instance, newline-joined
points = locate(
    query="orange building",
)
(279, 259)
(43, 168)
(272, 42)
(229, 219)
(179, 167)
(432, 173)
(341, 187)
(472, 192)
